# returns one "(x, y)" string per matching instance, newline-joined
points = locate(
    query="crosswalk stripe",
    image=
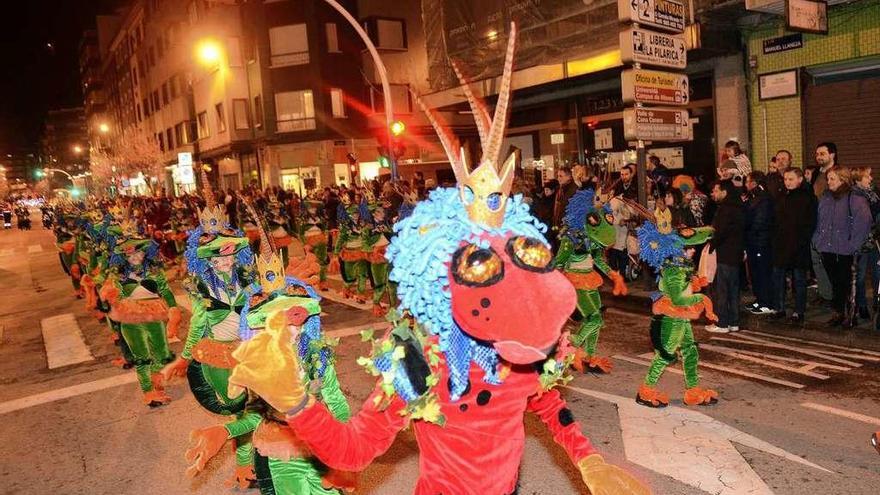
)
(35, 248)
(66, 392)
(744, 339)
(840, 412)
(824, 352)
(813, 343)
(64, 341)
(735, 353)
(644, 363)
(7, 252)
(748, 374)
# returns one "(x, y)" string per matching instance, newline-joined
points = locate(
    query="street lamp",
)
(77, 149)
(208, 52)
(104, 128)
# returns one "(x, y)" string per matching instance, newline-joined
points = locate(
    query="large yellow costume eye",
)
(476, 266)
(530, 254)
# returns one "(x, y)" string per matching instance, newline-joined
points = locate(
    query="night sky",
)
(35, 77)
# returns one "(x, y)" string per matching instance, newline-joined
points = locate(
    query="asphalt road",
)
(794, 416)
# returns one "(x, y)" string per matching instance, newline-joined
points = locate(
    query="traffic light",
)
(39, 173)
(384, 156)
(397, 128)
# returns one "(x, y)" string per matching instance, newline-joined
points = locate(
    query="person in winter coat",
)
(868, 255)
(843, 225)
(758, 232)
(727, 243)
(795, 215)
(544, 203)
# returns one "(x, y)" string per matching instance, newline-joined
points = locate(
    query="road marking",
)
(807, 365)
(66, 392)
(727, 351)
(7, 252)
(744, 339)
(336, 297)
(379, 327)
(691, 447)
(813, 342)
(645, 363)
(840, 412)
(748, 374)
(64, 341)
(35, 248)
(823, 352)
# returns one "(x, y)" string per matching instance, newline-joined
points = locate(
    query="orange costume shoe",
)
(697, 396)
(649, 396)
(156, 398)
(875, 441)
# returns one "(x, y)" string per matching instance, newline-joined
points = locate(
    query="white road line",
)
(645, 363)
(7, 252)
(807, 364)
(824, 352)
(745, 339)
(379, 327)
(813, 342)
(337, 298)
(840, 412)
(748, 374)
(35, 248)
(735, 353)
(66, 392)
(691, 447)
(64, 341)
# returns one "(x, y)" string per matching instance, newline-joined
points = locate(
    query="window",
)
(233, 52)
(337, 102)
(137, 109)
(165, 93)
(203, 125)
(156, 105)
(332, 38)
(160, 137)
(400, 98)
(240, 114)
(295, 111)
(146, 105)
(173, 85)
(289, 45)
(388, 34)
(258, 111)
(180, 134)
(221, 117)
(169, 138)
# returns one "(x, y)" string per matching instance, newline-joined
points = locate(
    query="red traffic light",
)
(398, 128)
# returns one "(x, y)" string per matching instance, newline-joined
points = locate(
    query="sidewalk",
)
(862, 337)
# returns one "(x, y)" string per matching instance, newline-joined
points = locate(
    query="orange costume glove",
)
(206, 443)
(698, 283)
(334, 267)
(619, 284)
(173, 322)
(607, 479)
(176, 369)
(110, 293)
(710, 311)
(242, 478)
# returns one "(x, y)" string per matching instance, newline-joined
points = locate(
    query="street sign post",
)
(668, 15)
(657, 124)
(651, 48)
(654, 87)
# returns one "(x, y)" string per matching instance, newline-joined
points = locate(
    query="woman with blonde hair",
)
(843, 225)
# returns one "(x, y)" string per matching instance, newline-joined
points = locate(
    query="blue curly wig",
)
(657, 248)
(577, 208)
(420, 253)
(202, 268)
(151, 260)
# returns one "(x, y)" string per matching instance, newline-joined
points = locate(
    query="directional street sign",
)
(652, 48)
(657, 124)
(668, 15)
(654, 87)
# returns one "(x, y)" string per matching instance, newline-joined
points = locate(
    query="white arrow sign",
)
(662, 14)
(691, 447)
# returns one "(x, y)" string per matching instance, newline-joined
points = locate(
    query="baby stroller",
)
(24, 219)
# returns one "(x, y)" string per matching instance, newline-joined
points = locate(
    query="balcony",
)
(296, 125)
(289, 59)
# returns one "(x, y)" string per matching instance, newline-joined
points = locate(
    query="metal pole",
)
(383, 77)
(641, 172)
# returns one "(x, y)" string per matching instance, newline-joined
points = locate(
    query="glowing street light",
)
(77, 149)
(208, 52)
(104, 128)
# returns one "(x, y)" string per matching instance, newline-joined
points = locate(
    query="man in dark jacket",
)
(567, 188)
(727, 243)
(795, 214)
(758, 231)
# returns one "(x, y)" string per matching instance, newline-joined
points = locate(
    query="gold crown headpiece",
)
(485, 190)
(212, 217)
(269, 264)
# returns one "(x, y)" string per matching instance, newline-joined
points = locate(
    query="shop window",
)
(289, 45)
(295, 111)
